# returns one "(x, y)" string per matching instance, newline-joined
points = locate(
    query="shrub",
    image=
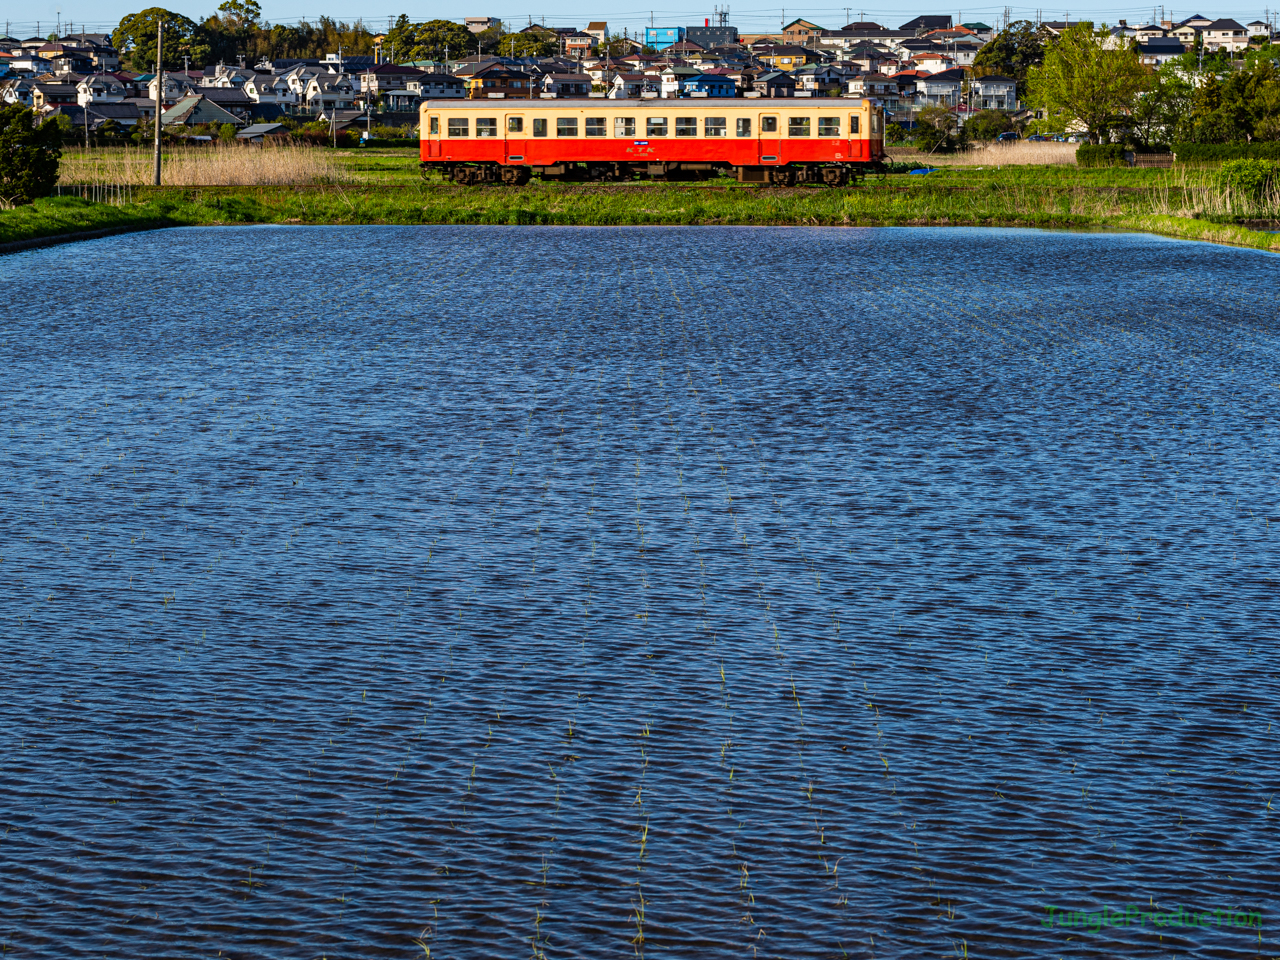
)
(322, 138)
(227, 132)
(893, 133)
(29, 156)
(1100, 155)
(1210, 152)
(1255, 178)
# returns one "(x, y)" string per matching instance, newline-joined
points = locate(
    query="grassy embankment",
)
(240, 185)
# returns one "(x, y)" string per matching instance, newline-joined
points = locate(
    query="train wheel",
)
(515, 176)
(784, 177)
(835, 176)
(464, 176)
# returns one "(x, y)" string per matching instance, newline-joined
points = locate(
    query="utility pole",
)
(159, 92)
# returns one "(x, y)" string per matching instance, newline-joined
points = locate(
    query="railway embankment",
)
(1188, 209)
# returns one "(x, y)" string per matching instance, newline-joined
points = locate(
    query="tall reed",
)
(218, 164)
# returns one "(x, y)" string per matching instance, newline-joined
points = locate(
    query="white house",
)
(100, 88)
(994, 93)
(1226, 34)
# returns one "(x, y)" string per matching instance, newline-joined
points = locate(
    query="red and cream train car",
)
(779, 141)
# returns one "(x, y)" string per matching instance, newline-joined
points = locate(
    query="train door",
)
(433, 135)
(515, 134)
(770, 138)
(857, 148)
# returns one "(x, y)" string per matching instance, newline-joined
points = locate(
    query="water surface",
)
(693, 592)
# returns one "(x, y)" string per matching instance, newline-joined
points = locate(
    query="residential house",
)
(386, 77)
(101, 88)
(873, 86)
(566, 85)
(1160, 50)
(266, 88)
(497, 81)
(684, 48)
(934, 62)
(175, 86)
(437, 86)
(327, 92)
(787, 57)
(993, 93)
(774, 83)
(481, 24)
(1226, 34)
(1148, 32)
(940, 89)
(820, 80)
(197, 109)
(579, 44)
(922, 25)
(671, 79)
(982, 32)
(598, 29)
(257, 132)
(16, 90)
(234, 101)
(870, 58)
(633, 86)
(1258, 28)
(708, 37)
(45, 96)
(800, 32)
(708, 85)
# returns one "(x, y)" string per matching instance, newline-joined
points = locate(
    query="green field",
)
(384, 186)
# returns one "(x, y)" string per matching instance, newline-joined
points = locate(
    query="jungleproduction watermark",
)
(1139, 916)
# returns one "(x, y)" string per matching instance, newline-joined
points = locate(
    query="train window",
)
(798, 127)
(434, 128)
(486, 127)
(655, 127)
(596, 127)
(828, 126)
(744, 126)
(853, 125)
(457, 126)
(686, 126)
(624, 126)
(566, 126)
(515, 124)
(768, 124)
(714, 127)
(876, 120)
(539, 127)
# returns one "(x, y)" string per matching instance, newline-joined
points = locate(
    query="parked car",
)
(1007, 137)
(1038, 138)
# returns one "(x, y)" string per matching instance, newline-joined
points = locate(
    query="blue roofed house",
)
(708, 85)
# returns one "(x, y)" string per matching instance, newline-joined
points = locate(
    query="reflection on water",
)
(703, 593)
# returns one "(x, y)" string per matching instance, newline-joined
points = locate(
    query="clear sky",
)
(103, 15)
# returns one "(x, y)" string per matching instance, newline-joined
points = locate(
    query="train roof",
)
(571, 103)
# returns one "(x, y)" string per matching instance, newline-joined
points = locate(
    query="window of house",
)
(539, 127)
(853, 125)
(686, 126)
(624, 126)
(434, 126)
(785, 59)
(457, 126)
(655, 127)
(566, 126)
(744, 126)
(798, 127)
(596, 127)
(487, 127)
(515, 124)
(714, 127)
(828, 126)
(768, 124)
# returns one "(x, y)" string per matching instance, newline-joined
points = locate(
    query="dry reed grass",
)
(1028, 152)
(215, 165)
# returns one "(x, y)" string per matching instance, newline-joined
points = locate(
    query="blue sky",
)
(103, 15)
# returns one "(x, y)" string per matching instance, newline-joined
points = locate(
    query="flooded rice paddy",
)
(472, 593)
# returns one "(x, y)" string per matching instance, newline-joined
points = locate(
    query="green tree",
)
(934, 129)
(1162, 112)
(1085, 80)
(987, 125)
(428, 41)
(227, 132)
(1013, 51)
(29, 156)
(135, 38)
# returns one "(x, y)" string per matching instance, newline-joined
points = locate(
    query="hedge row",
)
(389, 142)
(1100, 155)
(1204, 152)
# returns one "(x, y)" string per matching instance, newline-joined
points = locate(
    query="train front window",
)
(515, 124)
(744, 126)
(566, 126)
(714, 126)
(433, 126)
(624, 126)
(457, 126)
(798, 127)
(596, 127)
(853, 125)
(768, 124)
(686, 126)
(655, 127)
(828, 126)
(487, 127)
(539, 127)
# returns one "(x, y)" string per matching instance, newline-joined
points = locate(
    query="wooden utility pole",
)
(159, 93)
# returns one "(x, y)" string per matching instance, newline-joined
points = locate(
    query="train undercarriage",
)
(789, 175)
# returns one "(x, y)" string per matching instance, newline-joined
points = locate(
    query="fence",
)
(116, 194)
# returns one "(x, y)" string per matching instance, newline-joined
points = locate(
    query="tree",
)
(1082, 79)
(29, 156)
(987, 125)
(1013, 51)
(135, 38)
(428, 41)
(933, 129)
(1162, 112)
